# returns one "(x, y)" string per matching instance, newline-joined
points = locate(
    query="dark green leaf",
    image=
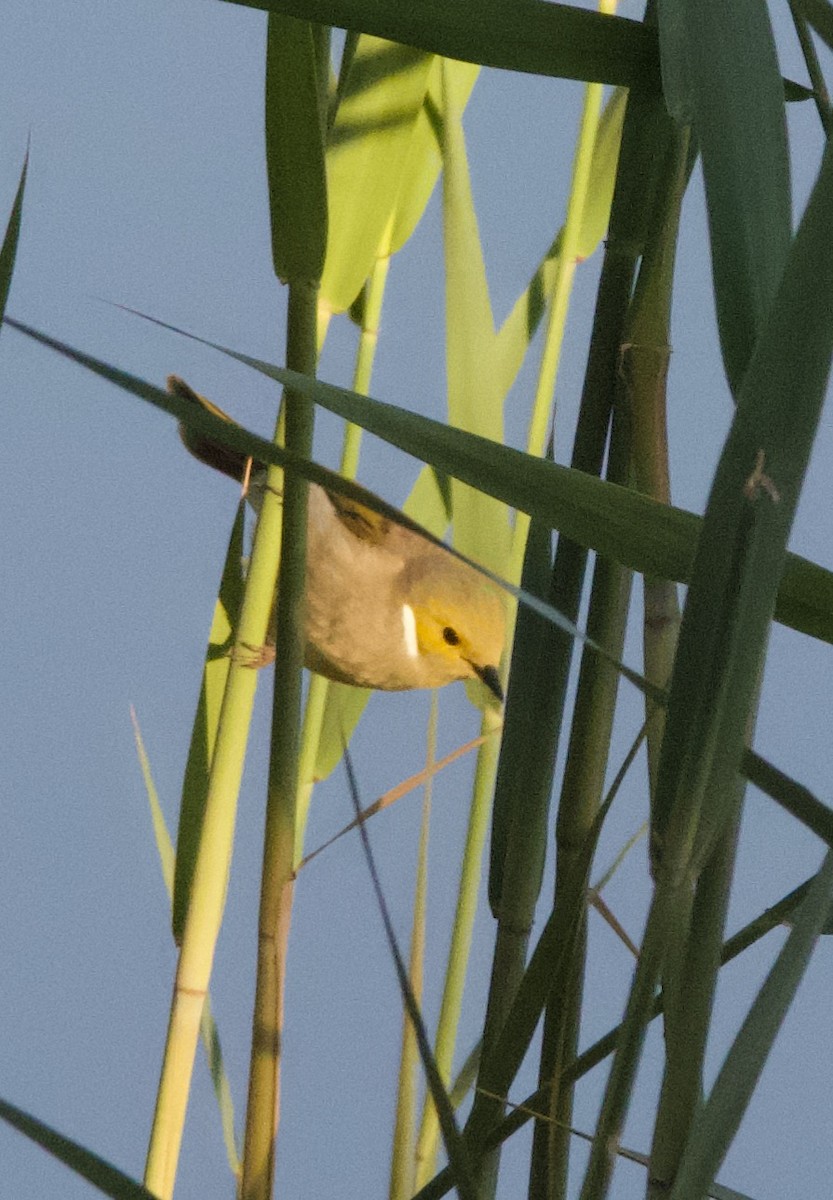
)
(295, 150)
(526, 35)
(737, 96)
(97, 1171)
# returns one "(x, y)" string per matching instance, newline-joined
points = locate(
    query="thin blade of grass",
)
(101, 1174)
(220, 429)
(454, 1145)
(396, 793)
(8, 251)
(793, 797)
(403, 1157)
(618, 523)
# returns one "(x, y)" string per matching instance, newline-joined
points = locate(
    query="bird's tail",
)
(206, 449)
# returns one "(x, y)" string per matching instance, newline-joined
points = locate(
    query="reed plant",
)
(578, 528)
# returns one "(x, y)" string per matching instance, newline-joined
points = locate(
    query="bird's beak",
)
(491, 678)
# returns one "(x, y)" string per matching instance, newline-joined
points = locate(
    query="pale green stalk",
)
(402, 1157)
(645, 358)
(205, 911)
(474, 403)
(319, 686)
(208, 1027)
(458, 954)
(297, 73)
(277, 886)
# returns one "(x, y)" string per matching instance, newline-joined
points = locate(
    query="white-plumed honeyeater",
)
(385, 607)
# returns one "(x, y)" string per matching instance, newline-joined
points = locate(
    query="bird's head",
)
(454, 621)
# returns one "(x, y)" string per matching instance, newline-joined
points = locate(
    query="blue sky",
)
(147, 188)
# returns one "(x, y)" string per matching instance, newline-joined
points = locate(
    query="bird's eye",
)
(450, 636)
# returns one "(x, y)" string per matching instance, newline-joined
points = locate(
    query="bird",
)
(385, 607)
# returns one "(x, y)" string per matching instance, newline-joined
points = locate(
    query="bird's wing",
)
(362, 522)
(365, 524)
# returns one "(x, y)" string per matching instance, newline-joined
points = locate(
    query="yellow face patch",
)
(467, 637)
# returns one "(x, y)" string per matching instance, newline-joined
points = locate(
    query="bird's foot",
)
(253, 657)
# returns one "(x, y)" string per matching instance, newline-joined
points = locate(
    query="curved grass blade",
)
(638, 532)
(648, 537)
(101, 1174)
(454, 1145)
(219, 429)
(793, 797)
(8, 251)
